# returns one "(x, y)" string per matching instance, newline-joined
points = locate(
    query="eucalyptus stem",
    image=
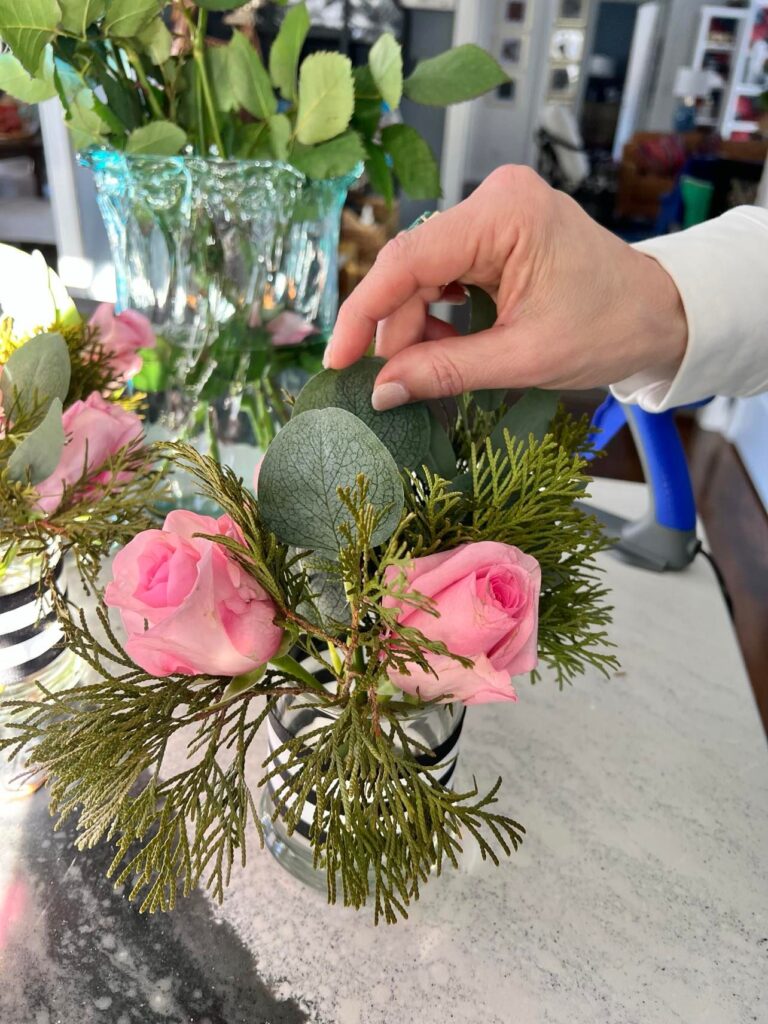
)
(198, 51)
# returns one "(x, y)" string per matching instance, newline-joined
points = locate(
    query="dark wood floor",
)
(736, 525)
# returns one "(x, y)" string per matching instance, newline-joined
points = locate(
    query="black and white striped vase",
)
(437, 727)
(30, 653)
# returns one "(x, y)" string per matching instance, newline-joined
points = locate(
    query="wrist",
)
(665, 325)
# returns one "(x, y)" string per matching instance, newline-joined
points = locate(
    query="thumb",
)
(496, 358)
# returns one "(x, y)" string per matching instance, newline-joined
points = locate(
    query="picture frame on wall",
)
(567, 44)
(572, 13)
(562, 82)
(513, 51)
(505, 94)
(515, 12)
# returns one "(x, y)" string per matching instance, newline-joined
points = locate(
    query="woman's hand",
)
(577, 307)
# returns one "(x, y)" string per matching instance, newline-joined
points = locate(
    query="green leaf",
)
(279, 135)
(156, 41)
(286, 49)
(379, 172)
(314, 455)
(127, 18)
(442, 455)
(329, 159)
(17, 82)
(217, 61)
(27, 26)
(35, 374)
(38, 454)
(220, 5)
(482, 317)
(531, 414)
(452, 77)
(77, 15)
(243, 683)
(249, 79)
(161, 138)
(326, 97)
(367, 112)
(413, 161)
(405, 431)
(86, 126)
(386, 64)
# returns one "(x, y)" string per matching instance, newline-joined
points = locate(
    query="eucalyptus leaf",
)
(386, 63)
(27, 26)
(405, 431)
(460, 74)
(326, 97)
(156, 41)
(35, 374)
(38, 454)
(329, 159)
(17, 82)
(531, 414)
(413, 161)
(160, 138)
(127, 18)
(249, 79)
(286, 50)
(77, 15)
(442, 457)
(327, 606)
(279, 135)
(482, 317)
(314, 455)
(379, 172)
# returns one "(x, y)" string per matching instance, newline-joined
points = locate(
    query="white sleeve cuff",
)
(720, 269)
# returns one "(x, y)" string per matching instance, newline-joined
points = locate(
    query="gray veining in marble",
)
(640, 895)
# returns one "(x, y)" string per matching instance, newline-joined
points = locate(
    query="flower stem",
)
(149, 92)
(292, 667)
(202, 72)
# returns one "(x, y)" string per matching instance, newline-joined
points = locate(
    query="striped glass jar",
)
(437, 728)
(30, 653)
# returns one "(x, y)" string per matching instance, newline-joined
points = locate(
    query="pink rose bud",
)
(487, 597)
(95, 430)
(289, 329)
(121, 336)
(187, 604)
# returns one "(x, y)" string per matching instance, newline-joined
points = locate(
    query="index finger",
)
(438, 251)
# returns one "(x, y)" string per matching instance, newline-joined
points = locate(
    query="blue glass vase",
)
(235, 262)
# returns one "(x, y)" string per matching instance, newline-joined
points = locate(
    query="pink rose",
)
(186, 603)
(121, 337)
(289, 329)
(96, 430)
(487, 597)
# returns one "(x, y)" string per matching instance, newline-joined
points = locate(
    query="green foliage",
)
(404, 431)
(329, 159)
(413, 161)
(38, 453)
(249, 79)
(77, 15)
(386, 63)
(27, 26)
(17, 81)
(286, 50)
(125, 19)
(314, 456)
(160, 138)
(326, 97)
(35, 374)
(455, 76)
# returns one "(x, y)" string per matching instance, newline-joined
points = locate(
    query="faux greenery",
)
(126, 82)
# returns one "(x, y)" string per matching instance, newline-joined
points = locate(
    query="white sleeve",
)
(721, 272)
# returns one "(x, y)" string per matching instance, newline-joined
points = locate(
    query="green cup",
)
(697, 199)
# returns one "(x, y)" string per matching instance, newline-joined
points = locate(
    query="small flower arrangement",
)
(387, 569)
(129, 81)
(74, 472)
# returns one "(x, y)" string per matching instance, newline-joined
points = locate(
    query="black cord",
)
(701, 550)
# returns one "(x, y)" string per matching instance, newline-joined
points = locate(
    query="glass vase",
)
(235, 262)
(437, 727)
(30, 654)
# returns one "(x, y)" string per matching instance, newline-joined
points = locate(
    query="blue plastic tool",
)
(665, 538)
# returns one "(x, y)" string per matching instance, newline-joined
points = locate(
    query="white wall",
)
(678, 37)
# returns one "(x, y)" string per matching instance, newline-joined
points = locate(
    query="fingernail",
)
(389, 396)
(327, 353)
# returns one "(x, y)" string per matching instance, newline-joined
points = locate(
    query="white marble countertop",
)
(640, 894)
